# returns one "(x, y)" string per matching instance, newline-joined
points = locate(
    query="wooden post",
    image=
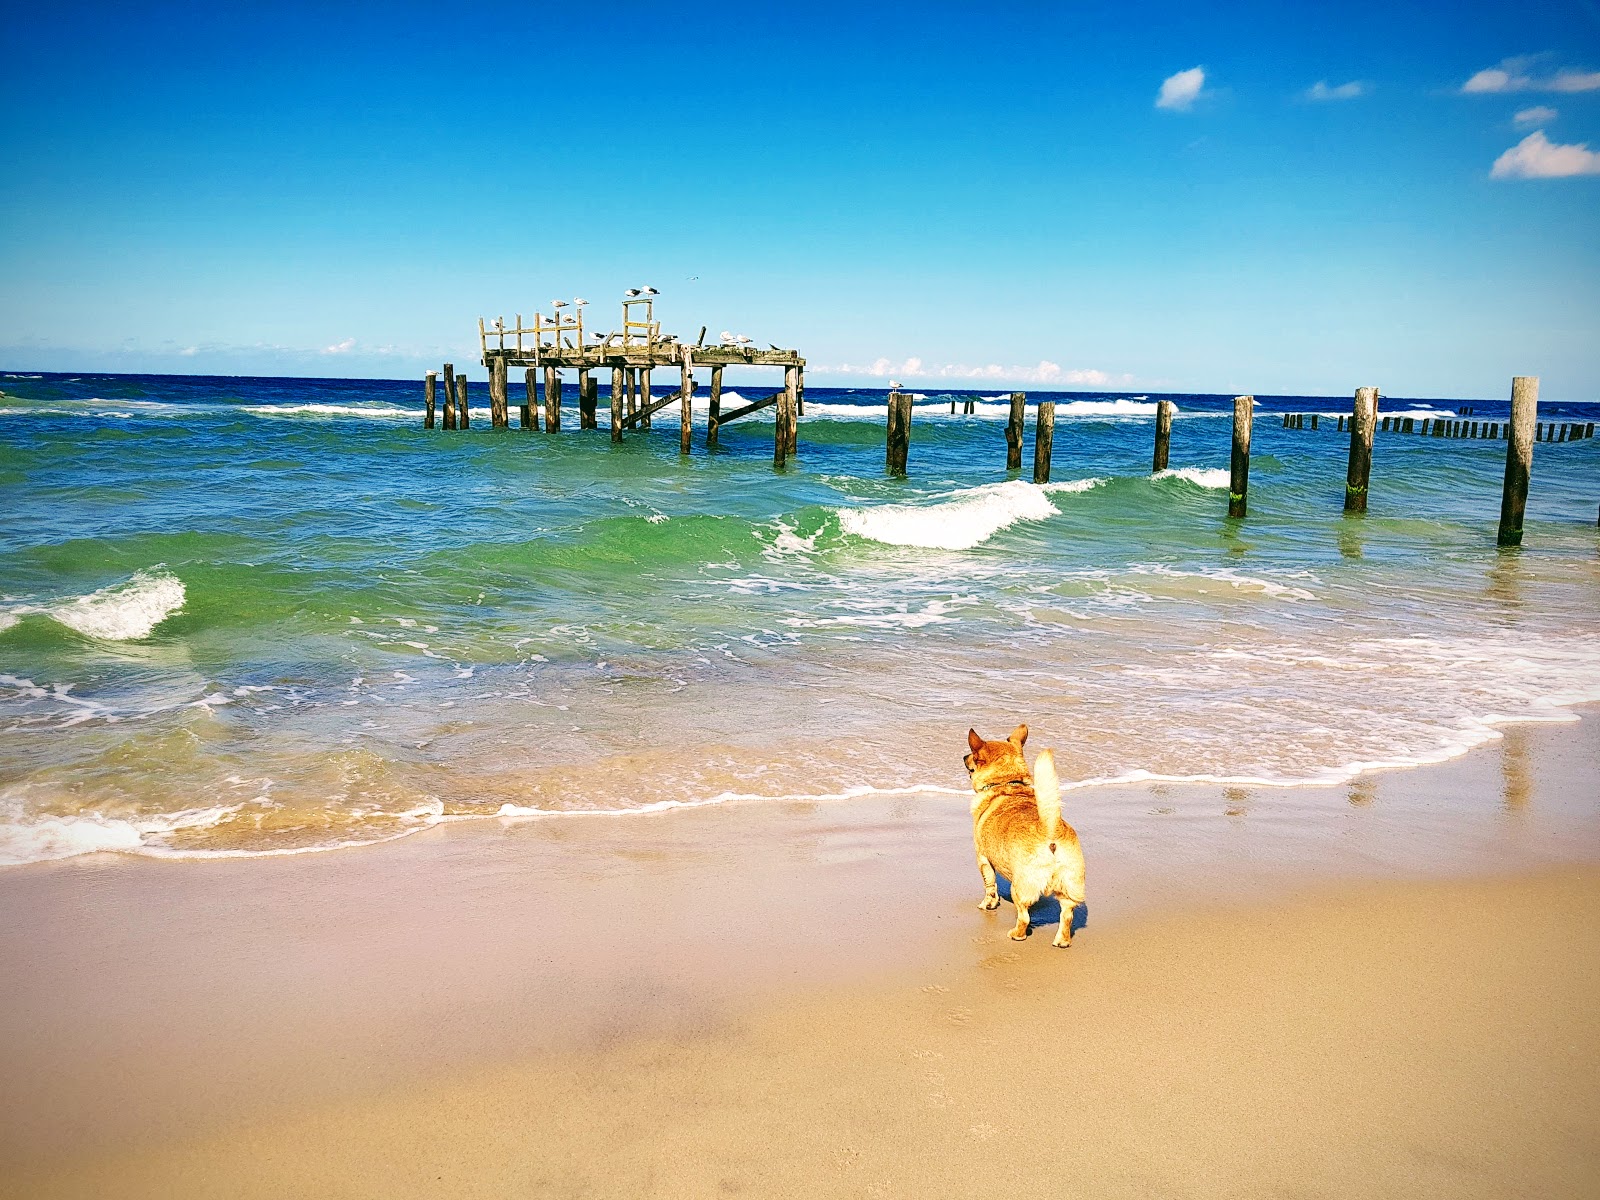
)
(783, 433)
(799, 390)
(686, 401)
(644, 396)
(952, 406)
(1519, 458)
(449, 396)
(497, 393)
(1019, 404)
(619, 389)
(1314, 418)
(715, 417)
(586, 406)
(552, 400)
(1239, 467)
(1164, 411)
(1363, 419)
(898, 442)
(530, 405)
(1044, 436)
(463, 419)
(430, 386)
(632, 388)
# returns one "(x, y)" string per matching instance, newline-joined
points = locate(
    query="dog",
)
(1017, 830)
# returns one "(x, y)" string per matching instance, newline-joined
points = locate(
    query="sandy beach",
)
(1386, 987)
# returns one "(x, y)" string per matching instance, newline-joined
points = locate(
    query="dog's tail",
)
(1047, 790)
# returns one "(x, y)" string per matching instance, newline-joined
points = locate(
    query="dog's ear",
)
(974, 741)
(1019, 735)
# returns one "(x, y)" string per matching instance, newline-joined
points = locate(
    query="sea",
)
(266, 616)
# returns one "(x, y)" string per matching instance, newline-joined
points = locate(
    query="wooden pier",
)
(559, 342)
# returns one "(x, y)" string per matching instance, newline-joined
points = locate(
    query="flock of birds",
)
(728, 339)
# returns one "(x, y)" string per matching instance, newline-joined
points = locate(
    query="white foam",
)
(125, 611)
(967, 519)
(935, 612)
(7, 620)
(89, 833)
(371, 412)
(1232, 578)
(1206, 477)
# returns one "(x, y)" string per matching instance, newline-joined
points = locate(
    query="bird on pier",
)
(743, 340)
(648, 291)
(558, 304)
(727, 338)
(893, 384)
(631, 292)
(499, 324)
(580, 303)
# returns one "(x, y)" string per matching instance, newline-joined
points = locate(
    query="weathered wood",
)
(1519, 458)
(799, 399)
(1363, 419)
(586, 400)
(1014, 419)
(897, 446)
(449, 396)
(463, 419)
(632, 405)
(714, 418)
(1239, 464)
(1314, 419)
(552, 400)
(1164, 411)
(1410, 423)
(430, 384)
(530, 404)
(640, 354)
(498, 414)
(767, 402)
(641, 418)
(644, 397)
(619, 389)
(1044, 436)
(686, 409)
(787, 432)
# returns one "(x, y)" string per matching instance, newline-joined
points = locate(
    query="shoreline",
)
(162, 1014)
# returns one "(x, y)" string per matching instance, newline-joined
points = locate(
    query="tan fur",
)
(1017, 830)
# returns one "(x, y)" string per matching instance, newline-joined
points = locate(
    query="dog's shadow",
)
(1047, 911)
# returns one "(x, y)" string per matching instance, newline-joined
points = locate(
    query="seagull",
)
(727, 338)
(499, 323)
(649, 291)
(894, 383)
(580, 303)
(558, 304)
(743, 340)
(631, 292)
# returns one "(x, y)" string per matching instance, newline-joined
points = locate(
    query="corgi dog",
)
(1018, 831)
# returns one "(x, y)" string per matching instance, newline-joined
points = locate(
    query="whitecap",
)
(125, 611)
(967, 519)
(1206, 477)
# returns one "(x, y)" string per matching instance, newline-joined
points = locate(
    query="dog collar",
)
(989, 787)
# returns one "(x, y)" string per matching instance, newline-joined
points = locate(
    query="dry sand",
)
(1385, 989)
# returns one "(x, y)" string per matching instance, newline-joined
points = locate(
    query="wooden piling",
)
(498, 417)
(1519, 458)
(1044, 436)
(714, 418)
(1314, 418)
(619, 389)
(1014, 420)
(1363, 419)
(430, 384)
(685, 404)
(1164, 411)
(463, 418)
(1410, 424)
(449, 397)
(1239, 466)
(898, 443)
(792, 424)
(631, 386)
(586, 419)
(644, 396)
(783, 434)
(552, 400)
(530, 404)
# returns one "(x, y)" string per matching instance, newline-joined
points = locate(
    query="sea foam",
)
(125, 611)
(1206, 477)
(966, 519)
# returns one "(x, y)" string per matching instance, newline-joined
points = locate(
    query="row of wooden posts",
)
(1567, 431)
(1520, 433)
(632, 404)
(631, 386)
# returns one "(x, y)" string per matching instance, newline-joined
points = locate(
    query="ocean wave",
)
(964, 520)
(123, 612)
(366, 411)
(1234, 579)
(1206, 477)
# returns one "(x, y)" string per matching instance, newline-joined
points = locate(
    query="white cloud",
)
(1539, 114)
(343, 347)
(1345, 91)
(189, 351)
(1536, 157)
(914, 368)
(1180, 91)
(1514, 75)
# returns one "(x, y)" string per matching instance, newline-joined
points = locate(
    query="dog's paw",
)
(1018, 935)
(1064, 943)
(989, 903)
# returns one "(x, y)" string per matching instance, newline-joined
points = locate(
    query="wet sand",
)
(1384, 988)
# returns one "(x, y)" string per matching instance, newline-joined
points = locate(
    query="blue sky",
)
(953, 194)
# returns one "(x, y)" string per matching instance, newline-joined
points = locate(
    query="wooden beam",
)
(750, 408)
(642, 417)
(714, 419)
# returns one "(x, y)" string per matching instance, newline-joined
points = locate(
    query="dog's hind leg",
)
(1023, 903)
(1069, 909)
(991, 894)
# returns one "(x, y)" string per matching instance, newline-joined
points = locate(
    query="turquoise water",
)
(244, 616)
